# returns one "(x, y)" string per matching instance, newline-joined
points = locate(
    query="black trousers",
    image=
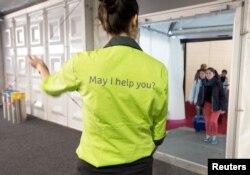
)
(139, 167)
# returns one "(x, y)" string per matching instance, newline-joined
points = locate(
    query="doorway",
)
(161, 35)
(214, 52)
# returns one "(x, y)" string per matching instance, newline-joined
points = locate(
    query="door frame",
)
(237, 6)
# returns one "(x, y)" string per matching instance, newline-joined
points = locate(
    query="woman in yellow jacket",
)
(124, 93)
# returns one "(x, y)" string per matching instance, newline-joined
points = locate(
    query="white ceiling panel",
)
(9, 6)
(217, 24)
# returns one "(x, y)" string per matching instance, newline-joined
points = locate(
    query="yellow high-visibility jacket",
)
(125, 98)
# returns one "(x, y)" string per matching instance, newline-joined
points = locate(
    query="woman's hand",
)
(38, 64)
(35, 61)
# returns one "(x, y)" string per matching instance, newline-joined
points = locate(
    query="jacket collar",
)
(124, 41)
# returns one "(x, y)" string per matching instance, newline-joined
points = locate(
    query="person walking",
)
(193, 95)
(202, 66)
(124, 93)
(213, 99)
(224, 80)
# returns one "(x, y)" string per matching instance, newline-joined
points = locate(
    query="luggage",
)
(199, 123)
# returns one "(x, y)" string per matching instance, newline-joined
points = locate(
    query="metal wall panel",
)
(37, 47)
(9, 54)
(76, 40)
(2, 83)
(22, 67)
(54, 33)
(57, 107)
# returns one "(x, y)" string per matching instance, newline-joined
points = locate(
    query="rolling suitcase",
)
(199, 123)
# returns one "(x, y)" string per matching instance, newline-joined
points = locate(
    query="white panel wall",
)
(53, 31)
(57, 106)
(22, 69)
(9, 54)
(76, 42)
(37, 40)
(1, 63)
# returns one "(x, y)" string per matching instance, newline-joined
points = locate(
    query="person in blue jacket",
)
(193, 95)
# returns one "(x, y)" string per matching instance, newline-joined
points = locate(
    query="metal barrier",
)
(14, 108)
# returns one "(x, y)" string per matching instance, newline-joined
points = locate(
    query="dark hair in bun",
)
(115, 15)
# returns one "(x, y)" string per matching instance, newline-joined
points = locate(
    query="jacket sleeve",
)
(223, 98)
(161, 108)
(62, 81)
(192, 93)
(226, 83)
(200, 99)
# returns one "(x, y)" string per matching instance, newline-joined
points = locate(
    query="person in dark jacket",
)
(213, 99)
(224, 80)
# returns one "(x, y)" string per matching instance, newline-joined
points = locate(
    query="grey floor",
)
(38, 147)
(184, 143)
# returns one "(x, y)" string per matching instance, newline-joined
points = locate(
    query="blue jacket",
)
(193, 95)
(219, 99)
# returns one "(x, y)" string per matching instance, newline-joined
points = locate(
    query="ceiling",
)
(9, 6)
(213, 25)
(146, 6)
